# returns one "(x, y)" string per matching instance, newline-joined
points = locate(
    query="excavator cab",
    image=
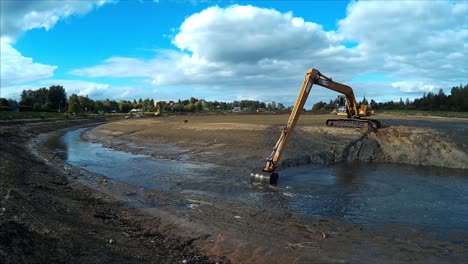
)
(341, 105)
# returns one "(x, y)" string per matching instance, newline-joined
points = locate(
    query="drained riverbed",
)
(378, 196)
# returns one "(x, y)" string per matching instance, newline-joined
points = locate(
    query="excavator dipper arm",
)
(268, 174)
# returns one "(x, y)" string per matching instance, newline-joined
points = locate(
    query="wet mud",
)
(242, 143)
(48, 216)
(248, 140)
(80, 216)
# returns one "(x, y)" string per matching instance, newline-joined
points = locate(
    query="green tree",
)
(319, 106)
(4, 105)
(178, 107)
(125, 106)
(199, 106)
(86, 104)
(27, 99)
(74, 104)
(57, 97)
(281, 107)
(190, 107)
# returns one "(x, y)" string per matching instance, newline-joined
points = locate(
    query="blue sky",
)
(232, 50)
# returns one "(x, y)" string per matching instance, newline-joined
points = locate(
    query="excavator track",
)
(354, 123)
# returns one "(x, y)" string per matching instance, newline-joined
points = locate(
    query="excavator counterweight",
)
(354, 112)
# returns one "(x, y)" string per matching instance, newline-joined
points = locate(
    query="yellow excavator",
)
(341, 104)
(354, 112)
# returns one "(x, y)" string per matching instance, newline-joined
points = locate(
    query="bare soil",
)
(48, 217)
(248, 140)
(243, 141)
(52, 215)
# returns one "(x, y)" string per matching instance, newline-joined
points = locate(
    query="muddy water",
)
(375, 195)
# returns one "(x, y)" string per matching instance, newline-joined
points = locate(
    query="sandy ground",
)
(52, 215)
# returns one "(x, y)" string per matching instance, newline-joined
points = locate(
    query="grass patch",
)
(5, 115)
(424, 113)
(27, 115)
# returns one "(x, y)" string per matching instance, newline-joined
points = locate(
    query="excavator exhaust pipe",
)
(264, 177)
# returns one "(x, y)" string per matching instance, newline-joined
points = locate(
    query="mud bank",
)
(248, 141)
(249, 235)
(396, 144)
(47, 216)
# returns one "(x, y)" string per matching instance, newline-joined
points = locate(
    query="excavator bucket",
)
(264, 177)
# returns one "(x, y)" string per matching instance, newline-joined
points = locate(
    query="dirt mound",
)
(420, 146)
(400, 144)
(366, 149)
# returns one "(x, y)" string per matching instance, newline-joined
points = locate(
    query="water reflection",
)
(348, 174)
(57, 145)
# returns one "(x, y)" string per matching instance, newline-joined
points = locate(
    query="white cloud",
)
(121, 67)
(20, 16)
(241, 49)
(414, 87)
(95, 90)
(17, 17)
(78, 87)
(262, 53)
(248, 34)
(18, 69)
(417, 41)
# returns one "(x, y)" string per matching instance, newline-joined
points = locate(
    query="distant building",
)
(236, 109)
(135, 110)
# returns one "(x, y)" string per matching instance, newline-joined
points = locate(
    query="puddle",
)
(375, 195)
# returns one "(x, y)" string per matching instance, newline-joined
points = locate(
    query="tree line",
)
(457, 101)
(54, 99)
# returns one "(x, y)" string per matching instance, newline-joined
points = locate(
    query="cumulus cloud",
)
(17, 17)
(248, 34)
(18, 69)
(95, 90)
(127, 67)
(239, 48)
(411, 40)
(262, 52)
(20, 16)
(411, 87)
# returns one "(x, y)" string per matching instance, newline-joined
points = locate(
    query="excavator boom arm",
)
(309, 80)
(343, 89)
(354, 112)
(312, 77)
